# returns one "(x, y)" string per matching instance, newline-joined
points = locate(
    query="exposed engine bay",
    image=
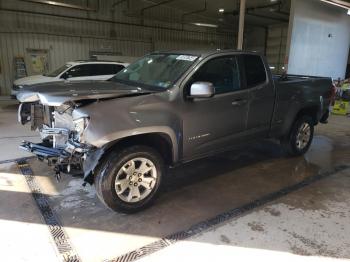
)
(56, 110)
(61, 134)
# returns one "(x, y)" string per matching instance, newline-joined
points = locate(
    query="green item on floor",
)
(340, 107)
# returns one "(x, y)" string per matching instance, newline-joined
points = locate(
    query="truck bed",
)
(297, 91)
(293, 78)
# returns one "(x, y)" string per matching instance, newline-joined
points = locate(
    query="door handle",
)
(238, 102)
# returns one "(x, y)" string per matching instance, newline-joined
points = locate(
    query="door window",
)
(222, 72)
(254, 70)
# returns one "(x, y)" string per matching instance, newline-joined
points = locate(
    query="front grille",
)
(37, 116)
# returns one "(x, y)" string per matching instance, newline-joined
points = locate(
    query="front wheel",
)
(129, 180)
(300, 137)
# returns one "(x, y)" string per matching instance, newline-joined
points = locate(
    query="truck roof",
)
(77, 62)
(204, 53)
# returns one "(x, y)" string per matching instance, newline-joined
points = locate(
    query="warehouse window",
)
(254, 70)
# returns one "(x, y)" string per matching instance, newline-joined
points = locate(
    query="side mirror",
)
(202, 90)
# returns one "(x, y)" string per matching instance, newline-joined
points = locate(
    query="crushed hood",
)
(32, 80)
(58, 93)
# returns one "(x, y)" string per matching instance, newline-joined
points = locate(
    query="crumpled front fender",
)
(90, 163)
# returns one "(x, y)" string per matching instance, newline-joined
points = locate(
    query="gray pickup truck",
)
(166, 109)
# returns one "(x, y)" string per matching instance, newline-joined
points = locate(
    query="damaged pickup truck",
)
(166, 109)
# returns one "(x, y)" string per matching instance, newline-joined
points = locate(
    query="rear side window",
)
(254, 70)
(222, 72)
(105, 69)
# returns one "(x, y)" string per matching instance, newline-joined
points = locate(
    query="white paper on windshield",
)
(186, 57)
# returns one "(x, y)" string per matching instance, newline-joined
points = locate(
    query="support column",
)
(241, 25)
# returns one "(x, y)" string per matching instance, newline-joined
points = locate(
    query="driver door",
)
(213, 124)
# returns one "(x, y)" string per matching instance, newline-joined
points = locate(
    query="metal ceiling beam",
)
(194, 12)
(152, 6)
(101, 20)
(285, 20)
(61, 4)
(248, 9)
(155, 5)
(118, 3)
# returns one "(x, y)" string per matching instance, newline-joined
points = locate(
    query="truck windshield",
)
(159, 71)
(58, 70)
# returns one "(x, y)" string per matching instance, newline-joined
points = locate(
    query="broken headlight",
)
(80, 125)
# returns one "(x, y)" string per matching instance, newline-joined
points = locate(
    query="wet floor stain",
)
(74, 195)
(256, 226)
(320, 248)
(225, 239)
(272, 211)
(299, 251)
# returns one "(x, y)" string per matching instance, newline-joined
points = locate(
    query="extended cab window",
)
(222, 72)
(254, 70)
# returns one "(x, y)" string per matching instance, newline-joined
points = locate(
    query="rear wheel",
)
(129, 180)
(300, 137)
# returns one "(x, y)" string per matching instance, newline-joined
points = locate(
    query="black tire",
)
(289, 143)
(106, 174)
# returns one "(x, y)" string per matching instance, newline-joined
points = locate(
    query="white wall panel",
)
(276, 47)
(320, 39)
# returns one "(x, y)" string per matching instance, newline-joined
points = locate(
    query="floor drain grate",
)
(57, 232)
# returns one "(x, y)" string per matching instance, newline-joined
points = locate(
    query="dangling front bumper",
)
(42, 150)
(61, 158)
(74, 154)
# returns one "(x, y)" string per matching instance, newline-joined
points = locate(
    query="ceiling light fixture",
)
(205, 25)
(221, 10)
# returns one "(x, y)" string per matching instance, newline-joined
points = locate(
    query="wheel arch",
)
(311, 110)
(161, 142)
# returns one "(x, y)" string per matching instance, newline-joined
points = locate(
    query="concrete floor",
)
(11, 132)
(311, 223)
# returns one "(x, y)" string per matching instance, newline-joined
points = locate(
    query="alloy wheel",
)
(303, 136)
(135, 180)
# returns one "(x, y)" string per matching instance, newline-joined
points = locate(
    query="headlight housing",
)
(80, 125)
